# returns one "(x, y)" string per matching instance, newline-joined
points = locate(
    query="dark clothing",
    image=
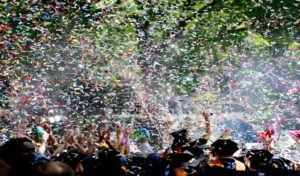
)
(157, 166)
(24, 169)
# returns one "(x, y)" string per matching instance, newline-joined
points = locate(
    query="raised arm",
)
(208, 131)
(127, 144)
(60, 148)
(90, 140)
(52, 138)
(42, 148)
(71, 138)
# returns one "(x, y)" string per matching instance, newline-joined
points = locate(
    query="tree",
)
(168, 46)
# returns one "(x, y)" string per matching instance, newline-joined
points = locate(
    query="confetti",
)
(71, 63)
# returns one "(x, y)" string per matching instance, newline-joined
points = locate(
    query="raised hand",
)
(46, 127)
(45, 137)
(226, 133)
(206, 115)
(91, 127)
(208, 131)
(70, 137)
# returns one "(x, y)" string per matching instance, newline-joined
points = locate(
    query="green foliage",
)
(186, 37)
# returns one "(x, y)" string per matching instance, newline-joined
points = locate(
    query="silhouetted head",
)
(18, 151)
(224, 147)
(55, 169)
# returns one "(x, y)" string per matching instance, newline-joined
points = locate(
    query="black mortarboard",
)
(179, 133)
(224, 147)
(260, 159)
(200, 141)
(180, 157)
(180, 138)
(195, 147)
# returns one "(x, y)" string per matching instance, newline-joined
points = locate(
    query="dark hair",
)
(72, 158)
(11, 148)
(109, 163)
(55, 168)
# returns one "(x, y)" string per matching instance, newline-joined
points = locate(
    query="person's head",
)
(181, 160)
(72, 158)
(259, 159)
(180, 138)
(18, 150)
(55, 169)
(224, 148)
(109, 163)
(4, 168)
(118, 127)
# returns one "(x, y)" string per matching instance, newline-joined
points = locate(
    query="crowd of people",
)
(92, 151)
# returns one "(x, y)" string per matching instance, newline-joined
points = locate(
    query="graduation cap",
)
(224, 147)
(260, 159)
(179, 133)
(200, 141)
(195, 147)
(180, 138)
(181, 157)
